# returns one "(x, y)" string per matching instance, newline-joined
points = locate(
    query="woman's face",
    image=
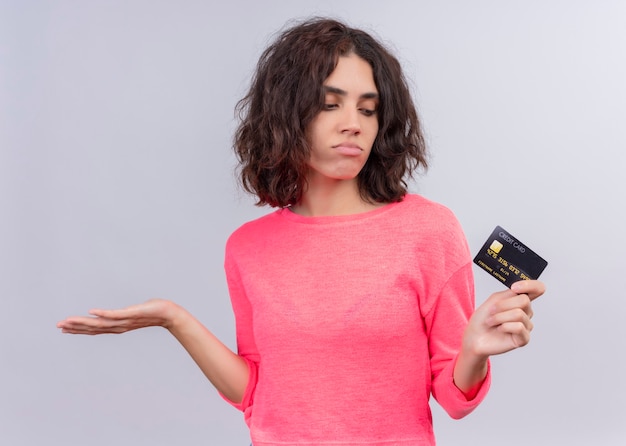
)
(343, 133)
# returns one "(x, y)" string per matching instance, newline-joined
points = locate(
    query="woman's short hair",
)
(285, 95)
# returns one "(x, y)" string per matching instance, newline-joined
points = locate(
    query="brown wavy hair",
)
(285, 95)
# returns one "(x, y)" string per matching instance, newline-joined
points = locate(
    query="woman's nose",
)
(350, 122)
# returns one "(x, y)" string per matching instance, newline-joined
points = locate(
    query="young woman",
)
(353, 300)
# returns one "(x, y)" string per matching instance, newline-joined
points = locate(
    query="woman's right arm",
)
(226, 370)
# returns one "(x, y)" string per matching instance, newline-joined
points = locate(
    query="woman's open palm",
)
(154, 312)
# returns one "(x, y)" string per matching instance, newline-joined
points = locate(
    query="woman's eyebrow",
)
(340, 92)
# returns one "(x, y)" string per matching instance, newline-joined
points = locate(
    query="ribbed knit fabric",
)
(349, 323)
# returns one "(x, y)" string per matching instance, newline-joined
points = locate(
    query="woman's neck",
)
(341, 197)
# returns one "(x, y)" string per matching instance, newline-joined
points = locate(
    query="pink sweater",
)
(349, 323)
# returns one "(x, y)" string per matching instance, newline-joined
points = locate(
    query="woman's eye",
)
(368, 112)
(330, 106)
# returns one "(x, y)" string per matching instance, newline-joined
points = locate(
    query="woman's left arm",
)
(502, 323)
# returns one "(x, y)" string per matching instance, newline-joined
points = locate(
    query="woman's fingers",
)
(93, 325)
(518, 301)
(514, 315)
(532, 288)
(93, 330)
(519, 333)
(520, 296)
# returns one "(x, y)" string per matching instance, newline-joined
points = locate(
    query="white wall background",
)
(116, 185)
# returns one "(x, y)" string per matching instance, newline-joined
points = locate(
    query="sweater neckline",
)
(288, 214)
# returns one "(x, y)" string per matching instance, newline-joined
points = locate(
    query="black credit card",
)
(509, 260)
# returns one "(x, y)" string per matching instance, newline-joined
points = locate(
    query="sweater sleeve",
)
(445, 323)
(246, 347)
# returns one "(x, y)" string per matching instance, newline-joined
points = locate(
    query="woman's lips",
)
(348, 149)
